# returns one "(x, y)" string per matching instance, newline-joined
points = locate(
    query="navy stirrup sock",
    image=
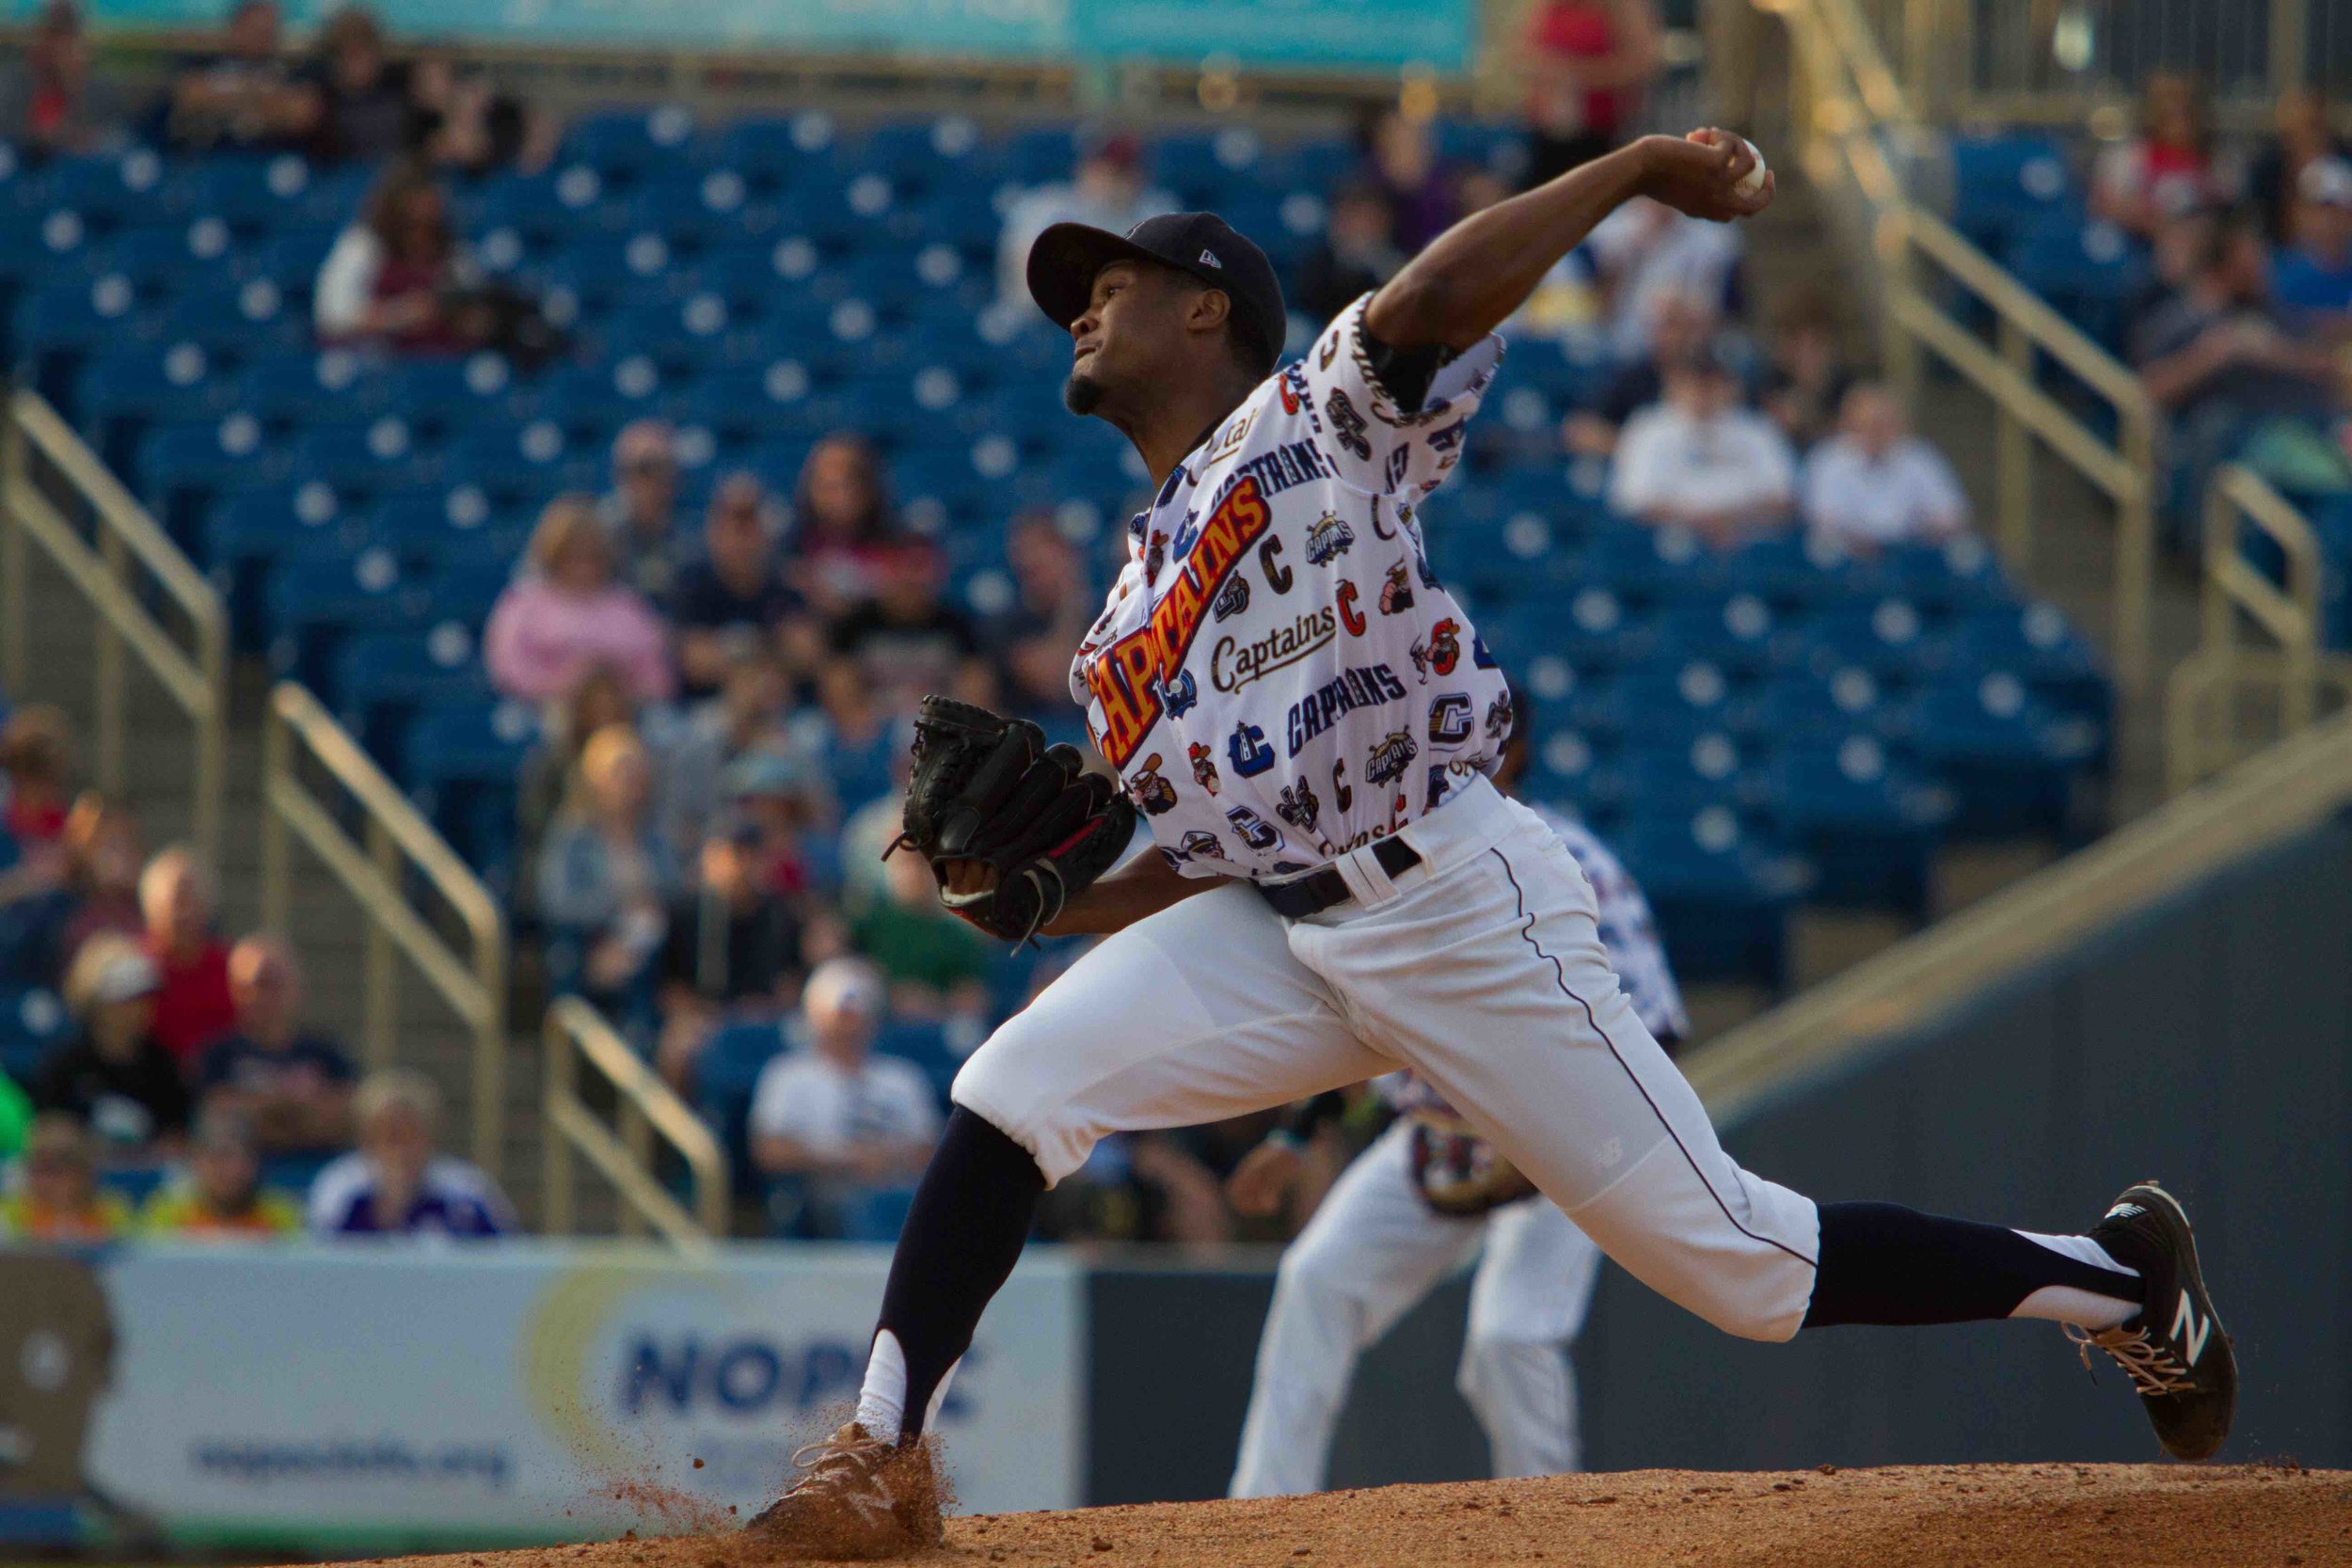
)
(1883, 1264)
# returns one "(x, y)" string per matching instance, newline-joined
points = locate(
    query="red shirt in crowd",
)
(1583, 30)
(192, 1009)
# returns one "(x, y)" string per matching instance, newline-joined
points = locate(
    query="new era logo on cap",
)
(1208, 258)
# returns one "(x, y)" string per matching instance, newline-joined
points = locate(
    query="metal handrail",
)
(577, 1033)
(195, 677)
(1846, 100)
(299, 734)
(2201, 701)
(2290, 786)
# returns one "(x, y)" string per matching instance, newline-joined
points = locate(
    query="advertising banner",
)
(383, 1398)
(1285, 33)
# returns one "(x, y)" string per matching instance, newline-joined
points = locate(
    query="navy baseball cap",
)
(1065, 258)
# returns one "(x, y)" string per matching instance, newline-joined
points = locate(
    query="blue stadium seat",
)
(481, 741)
(120, 391)
(33, 1023)
(1887, 637)
(1867, 826)
(2037, 642)
(523, 464)
(1720, 892)
(377, 456)
(109, 188)
(378, 681)
(1041, 154)
(254, 195)
(312, 604)
(2013, 767)
(2005, 181)
(725, 1076)
(924, 154)
(180, 467)
(1736, 631)
(240, 534)
(304, 388)
(631, 144)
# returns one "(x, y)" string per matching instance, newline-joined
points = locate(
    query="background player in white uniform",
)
(1340, 892)
(1391, 1230)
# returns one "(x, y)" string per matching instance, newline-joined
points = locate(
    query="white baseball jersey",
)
(1278, 676)
(1628, 935)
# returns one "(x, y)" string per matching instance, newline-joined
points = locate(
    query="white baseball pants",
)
(1483, 968)
(1374, 1248)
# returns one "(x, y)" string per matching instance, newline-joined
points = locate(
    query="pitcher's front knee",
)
(1011, 1082)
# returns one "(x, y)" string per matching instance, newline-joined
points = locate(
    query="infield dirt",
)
(1968, 1516)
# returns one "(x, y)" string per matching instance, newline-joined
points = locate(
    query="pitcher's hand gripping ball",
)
(987, 791)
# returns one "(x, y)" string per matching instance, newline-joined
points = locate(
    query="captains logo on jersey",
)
(1199, 844)
(1298, 807)
(1187, 534)
(1204, 767)
(1179, 695)
(1255, 831)
(1232, 598)
(1151, 793)
(1350, 617)
(1155, 554)
(1347, 426)
(1479, 656)
(1327, 539)
(1499, 716)
(1246, 750)
(1451, 718)
(1396, 592)
(1445, 645)
(1439, 783)
(1342, 795)
(1122, 677)
(1390, 755)
(1277, 577)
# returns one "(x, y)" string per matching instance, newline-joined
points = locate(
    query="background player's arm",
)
(1475, 275)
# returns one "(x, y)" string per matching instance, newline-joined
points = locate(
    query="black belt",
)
(1326, 889)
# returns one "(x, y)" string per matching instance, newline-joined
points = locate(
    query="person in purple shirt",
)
(394, 1184)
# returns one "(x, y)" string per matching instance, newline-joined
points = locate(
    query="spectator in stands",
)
(60, 1200)
(842, 522)
(102, 864)
(783, 801)
(908, 638)
(114, 1075)
(1587, 63)
(1052, 607)
(568, 615)
(54, 112)
(2301, 133)
(459, 123)
(1806, 382)
(1683, 325)
(855, 738)
(217, 1193)
(1701, 461)
(1353, 256)
(2177, 250)
(600, 696)
(16, 1117)
(733, 602)
(289, 1088)
(2221, 362)
(936, 962)
(749, 716)
(365, 112)
(1106, 190)
(641, 508)
(394, 1184)
(193, 1006)
(1874, 483)
(1646, 248)
(1400, 160)
(733, 946)
(2311, 278)
(832, 1111)
(243, 95)
(392, 279)
(2171, 163)
(606, 878)
(36, 763)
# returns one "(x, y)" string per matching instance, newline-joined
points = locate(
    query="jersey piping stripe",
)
(1559, 977)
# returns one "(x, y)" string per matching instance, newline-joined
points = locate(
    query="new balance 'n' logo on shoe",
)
(858, 1498)
(2175, 1352)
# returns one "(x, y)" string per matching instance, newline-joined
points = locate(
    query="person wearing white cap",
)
(113, 1074)
(2314, 272)
(848, 1122)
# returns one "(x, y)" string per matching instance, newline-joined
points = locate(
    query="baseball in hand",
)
(1753, 182)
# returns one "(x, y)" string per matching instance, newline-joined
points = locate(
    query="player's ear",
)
(1210, 308)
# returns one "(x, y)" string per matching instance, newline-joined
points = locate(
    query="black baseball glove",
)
(989, 789)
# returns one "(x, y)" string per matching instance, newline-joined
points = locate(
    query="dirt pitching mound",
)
(1965, 1516)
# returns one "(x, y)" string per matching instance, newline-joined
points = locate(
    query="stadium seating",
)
(1754, 728)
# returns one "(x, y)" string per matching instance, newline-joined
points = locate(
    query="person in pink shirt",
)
(567, 614)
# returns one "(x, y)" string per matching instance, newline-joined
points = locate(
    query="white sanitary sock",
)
(2068, 1304)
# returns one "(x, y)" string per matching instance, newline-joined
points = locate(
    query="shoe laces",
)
(2152, 1366)
(834, 1460)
